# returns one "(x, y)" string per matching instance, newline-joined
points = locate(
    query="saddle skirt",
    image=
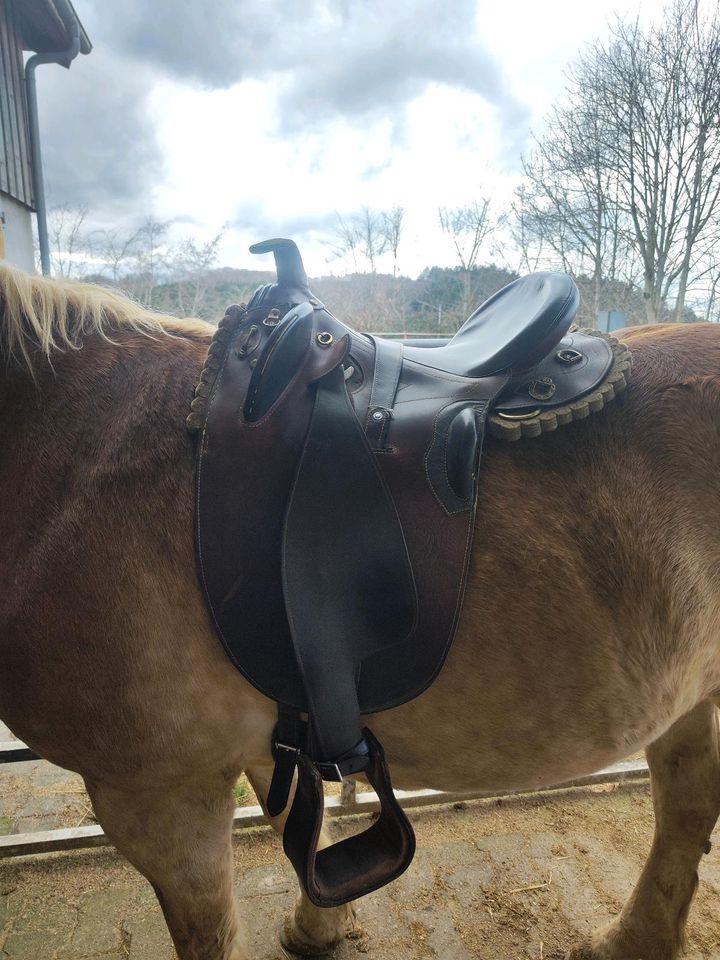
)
(336, 489)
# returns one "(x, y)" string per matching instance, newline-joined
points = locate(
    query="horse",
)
(590, 628)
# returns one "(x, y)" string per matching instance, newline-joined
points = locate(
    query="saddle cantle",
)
(336, 487)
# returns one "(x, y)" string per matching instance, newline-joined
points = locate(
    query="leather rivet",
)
(378, 415)
(325, 339)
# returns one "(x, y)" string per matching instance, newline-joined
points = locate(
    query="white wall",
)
(17, 233)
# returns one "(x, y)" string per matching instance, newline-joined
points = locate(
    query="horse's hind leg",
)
(685, 776)
(310, 930)
(179, 837)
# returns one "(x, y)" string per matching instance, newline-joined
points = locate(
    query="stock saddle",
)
(336, 486)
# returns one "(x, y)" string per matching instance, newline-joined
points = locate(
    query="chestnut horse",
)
(591, 626)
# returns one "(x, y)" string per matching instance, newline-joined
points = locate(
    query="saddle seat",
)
(514, 329)
(336, 489)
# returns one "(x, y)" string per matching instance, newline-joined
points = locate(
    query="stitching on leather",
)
(467, 503)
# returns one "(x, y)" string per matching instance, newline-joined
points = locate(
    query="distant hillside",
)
(437, 302)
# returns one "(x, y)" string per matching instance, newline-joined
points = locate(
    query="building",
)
(51, 30)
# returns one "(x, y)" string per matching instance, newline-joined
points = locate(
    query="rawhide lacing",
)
(234, 315)
(535, 424)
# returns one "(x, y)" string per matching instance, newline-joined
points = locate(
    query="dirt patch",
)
(518, 879)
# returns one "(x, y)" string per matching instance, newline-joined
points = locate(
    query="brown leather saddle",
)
(336, 487)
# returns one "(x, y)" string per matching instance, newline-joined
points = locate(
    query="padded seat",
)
(514, 329)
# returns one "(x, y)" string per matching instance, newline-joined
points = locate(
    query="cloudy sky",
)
(273, 117)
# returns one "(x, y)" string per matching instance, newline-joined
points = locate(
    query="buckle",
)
(330, 772)
(354, 761)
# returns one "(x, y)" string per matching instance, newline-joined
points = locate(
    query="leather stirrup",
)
(359, 864)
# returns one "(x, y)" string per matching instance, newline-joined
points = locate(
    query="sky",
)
(267, 118)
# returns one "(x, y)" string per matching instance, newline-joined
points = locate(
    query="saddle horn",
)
(289, 267)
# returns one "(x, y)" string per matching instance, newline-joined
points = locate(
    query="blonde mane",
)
(48, 315)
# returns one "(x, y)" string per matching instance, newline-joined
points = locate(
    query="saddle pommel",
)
(288, 263)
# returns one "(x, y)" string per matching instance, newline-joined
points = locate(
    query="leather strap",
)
(386, 377)
(359, 864)
(291, 738)
(347, 580)
(288, 739)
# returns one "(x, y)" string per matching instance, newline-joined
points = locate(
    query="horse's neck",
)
(107, 407)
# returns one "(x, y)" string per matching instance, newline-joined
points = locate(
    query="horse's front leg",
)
(685, 775)
(309, 931)
(179, 836)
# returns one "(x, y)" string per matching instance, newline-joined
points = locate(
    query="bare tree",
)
(662, 88)
(391, 227)
(191, 266)
(527, 238)
(117, 251)
(364, 235)
(568, 204)
(70, 245)
(629, 171)
(370, 236)
(467, 228)
(344, 241)
(151, 257)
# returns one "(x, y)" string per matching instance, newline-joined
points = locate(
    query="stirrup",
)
(359, 864)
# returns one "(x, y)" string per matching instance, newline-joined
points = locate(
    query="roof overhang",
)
(43, 29)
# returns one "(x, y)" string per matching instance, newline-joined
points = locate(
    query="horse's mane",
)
(37, 313)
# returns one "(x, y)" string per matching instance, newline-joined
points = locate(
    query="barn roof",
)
(42, 28)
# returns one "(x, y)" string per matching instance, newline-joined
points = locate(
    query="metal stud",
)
(542, 389)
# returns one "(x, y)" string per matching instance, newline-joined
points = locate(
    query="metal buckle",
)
(330, 772)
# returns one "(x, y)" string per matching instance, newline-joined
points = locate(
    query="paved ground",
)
(520, 878)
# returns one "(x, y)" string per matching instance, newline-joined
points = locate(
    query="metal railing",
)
(350, 802)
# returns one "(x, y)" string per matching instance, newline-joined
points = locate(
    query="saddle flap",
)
(347, 580)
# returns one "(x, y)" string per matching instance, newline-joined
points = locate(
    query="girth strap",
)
(386, 377)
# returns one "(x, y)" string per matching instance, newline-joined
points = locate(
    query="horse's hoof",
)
(316, 933)
(291, 955)
(296, 949)
(612, 944)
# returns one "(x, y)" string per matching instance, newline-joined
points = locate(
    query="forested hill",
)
(438, 301)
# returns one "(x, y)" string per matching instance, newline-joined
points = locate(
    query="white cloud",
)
(280, 117)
